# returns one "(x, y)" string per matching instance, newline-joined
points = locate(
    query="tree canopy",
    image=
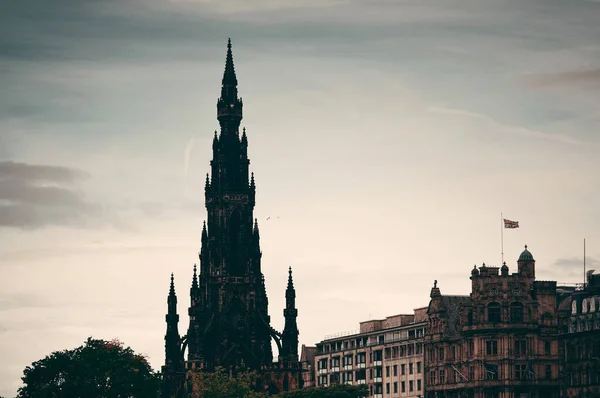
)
(335, 391)
(219, 384)
(98, 368)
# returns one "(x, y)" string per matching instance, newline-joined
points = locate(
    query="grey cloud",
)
(576, 262)
(16, 170)
(589, 79)
(33, 196)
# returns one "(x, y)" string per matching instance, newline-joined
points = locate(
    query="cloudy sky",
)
(387, 135)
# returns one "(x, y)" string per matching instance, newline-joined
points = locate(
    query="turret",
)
(526, 264)
(289, 346)
(173, 370)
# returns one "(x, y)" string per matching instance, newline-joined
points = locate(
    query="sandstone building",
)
(580, 341)
(501, 341)
(386, 355)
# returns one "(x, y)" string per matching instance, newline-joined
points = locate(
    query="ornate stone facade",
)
(501, 341)
(580, 341)
(229, 320)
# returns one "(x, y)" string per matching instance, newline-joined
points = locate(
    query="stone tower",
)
(229, 319)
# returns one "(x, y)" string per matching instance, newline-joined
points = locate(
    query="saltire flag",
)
(510, 224)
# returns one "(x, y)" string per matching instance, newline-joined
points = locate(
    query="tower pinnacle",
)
(229, 106)
(229, 78)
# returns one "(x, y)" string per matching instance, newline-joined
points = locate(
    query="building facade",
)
(229, 320)
(307, 358)
(501, 341)
(580, 341)
(386, 355)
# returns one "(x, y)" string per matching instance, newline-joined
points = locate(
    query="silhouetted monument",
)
(229, 319)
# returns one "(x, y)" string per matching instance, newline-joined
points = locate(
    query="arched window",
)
(494, 314)
(516, 313)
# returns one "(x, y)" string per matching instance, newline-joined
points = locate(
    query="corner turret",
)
(526, 264)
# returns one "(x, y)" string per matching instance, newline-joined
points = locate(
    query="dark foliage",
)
(99, 368)
(336, 391)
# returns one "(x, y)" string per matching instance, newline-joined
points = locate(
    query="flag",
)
(510, 224)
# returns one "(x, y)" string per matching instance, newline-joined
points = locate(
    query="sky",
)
(386, 138)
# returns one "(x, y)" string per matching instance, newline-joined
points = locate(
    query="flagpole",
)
(584, 275)
(502, 238)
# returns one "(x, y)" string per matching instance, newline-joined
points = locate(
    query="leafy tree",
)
(219, 384)
(99, 368)
(335, 391)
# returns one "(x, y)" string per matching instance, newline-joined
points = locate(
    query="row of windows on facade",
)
(584, 325)
(368, 341)
(375, 356)
(584, 377)
(388, 353)
(586, 349)
(520, 372)
(522, 347)
(377, 372)
(588, 304)
(516, 314)
(335, 367)
(376, 388)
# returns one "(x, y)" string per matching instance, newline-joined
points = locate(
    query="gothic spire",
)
(289, 349)
(290, 285)
(172, 288)
(174, 363)
(229, 78)
(204, 233)
(229, 106)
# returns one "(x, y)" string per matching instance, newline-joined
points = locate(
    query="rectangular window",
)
(395, 387)
(410, 386)
(491, 347)
(410, 368)
(418, 367)
(432, 377)
(471, 373)
(403, 386)
(387, 388)
(402, 369)
(548, 371)
(520, 347)
(442, 376)
(471, 349)
(361, 374)
(419, 385)
(387, 371)
(395, 370)
(441, 353)
(519, 372)
(547, 348)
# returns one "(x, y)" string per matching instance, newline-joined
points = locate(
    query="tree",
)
(335, 391)
(99, 368)
(219, 384)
